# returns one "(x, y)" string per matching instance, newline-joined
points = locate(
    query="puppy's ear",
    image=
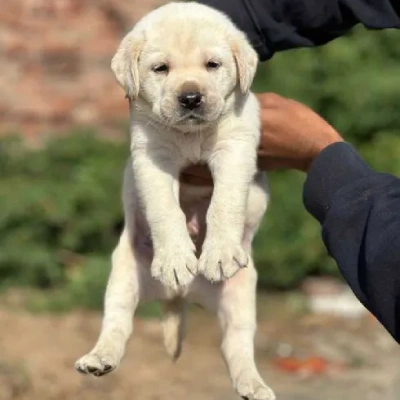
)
(246, 61)
(125, 64)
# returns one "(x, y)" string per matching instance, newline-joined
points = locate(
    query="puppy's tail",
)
(174, 324)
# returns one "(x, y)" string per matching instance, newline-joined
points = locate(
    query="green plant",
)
(60, 208)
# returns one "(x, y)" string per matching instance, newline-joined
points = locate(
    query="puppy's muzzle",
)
(190, 100)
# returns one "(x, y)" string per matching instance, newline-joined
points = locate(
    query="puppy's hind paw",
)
(95, 364)
(251, 388)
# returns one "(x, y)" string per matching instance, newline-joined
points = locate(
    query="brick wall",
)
(55, 63)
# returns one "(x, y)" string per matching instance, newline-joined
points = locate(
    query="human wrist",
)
(329, 137)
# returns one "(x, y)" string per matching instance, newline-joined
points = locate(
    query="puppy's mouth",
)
(193, 118)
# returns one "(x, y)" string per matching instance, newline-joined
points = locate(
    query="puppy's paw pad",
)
(222, 261)
(254, 389)
(95, 364)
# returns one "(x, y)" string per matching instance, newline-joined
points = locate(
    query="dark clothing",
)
(359, 209)
(276, 25)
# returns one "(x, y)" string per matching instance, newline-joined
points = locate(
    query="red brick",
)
(56, 62)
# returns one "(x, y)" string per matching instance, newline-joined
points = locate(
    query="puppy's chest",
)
(193, 148)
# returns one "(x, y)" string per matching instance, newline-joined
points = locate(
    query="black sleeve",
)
(359, 210)
(276, 25)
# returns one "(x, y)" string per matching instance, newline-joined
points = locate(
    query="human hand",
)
(292, 134)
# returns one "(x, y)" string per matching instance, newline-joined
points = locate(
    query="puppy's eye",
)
(160, 68)
(213, 65)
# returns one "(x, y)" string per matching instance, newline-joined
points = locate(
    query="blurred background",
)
(63, 143)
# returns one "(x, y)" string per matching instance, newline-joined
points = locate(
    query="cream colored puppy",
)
(187, 70)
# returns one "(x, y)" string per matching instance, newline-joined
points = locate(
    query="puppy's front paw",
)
(174, 265)
(96, 364)
(220, 260)
(251, 387)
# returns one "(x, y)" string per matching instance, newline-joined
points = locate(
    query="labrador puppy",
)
(187, 70)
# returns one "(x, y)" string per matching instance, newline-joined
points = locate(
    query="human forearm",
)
(358, 211)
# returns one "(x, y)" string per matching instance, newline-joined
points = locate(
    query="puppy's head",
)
(184, 61)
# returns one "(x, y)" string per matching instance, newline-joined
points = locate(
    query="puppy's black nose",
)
(190, 100)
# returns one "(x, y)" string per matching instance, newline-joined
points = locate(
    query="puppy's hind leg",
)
(121, 300)
(237, 315)
(235, 303)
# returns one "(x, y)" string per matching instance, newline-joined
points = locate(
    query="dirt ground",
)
(37, 354)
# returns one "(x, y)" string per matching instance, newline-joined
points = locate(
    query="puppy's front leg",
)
(157, 183)
(233, 168)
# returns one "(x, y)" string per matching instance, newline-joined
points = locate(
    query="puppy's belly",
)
(195, 209)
